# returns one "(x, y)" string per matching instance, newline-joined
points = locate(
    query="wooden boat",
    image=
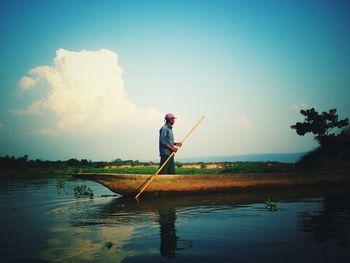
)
(129, 184)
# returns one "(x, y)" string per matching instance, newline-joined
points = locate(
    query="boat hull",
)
(129, 184)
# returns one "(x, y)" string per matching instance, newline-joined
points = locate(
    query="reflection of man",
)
(167, 233)
(167, 145)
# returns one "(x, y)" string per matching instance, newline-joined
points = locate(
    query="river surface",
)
(43, 221)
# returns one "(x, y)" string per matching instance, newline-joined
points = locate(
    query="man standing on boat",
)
(167, 145)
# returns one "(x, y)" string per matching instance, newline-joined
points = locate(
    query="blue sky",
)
(93, 79)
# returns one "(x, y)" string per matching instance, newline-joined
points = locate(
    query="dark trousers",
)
(169, 167)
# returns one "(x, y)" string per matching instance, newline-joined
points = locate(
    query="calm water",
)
(41, 222)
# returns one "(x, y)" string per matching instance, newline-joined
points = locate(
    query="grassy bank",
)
(147, 168)
(328, 158)
(202, 168)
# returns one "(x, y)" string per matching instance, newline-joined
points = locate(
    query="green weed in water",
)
(109, 244)
(60, 184)
(271, 205)
(83, 191)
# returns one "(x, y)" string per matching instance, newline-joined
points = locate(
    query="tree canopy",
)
(321, 125)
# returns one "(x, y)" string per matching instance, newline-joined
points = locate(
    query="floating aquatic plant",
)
(83, 191)
(271, 205)
(109, 244)
(60, 184)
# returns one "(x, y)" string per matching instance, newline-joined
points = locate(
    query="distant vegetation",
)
(25, 165)
(22, 165)
(334, 149)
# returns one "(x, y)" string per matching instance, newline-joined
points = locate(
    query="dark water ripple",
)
(42, 221)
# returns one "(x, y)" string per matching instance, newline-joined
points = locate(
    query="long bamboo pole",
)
(150, 179)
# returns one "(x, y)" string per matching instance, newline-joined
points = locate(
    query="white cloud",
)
(26, 83)
(36, 108)
(85, 92)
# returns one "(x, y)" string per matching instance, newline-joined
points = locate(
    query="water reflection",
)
(44, 224)
(164, 212)
(168, 236)
(324, 219)
(331, 223)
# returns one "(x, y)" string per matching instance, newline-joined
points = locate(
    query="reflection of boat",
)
(128, 184)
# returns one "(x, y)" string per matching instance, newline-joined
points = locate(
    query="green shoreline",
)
(193, 168)
(61, 168)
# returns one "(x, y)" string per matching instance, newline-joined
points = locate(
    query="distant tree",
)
(13, 163)
(84, 162)
(117, 161)
(321, 125)
(73, 162)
